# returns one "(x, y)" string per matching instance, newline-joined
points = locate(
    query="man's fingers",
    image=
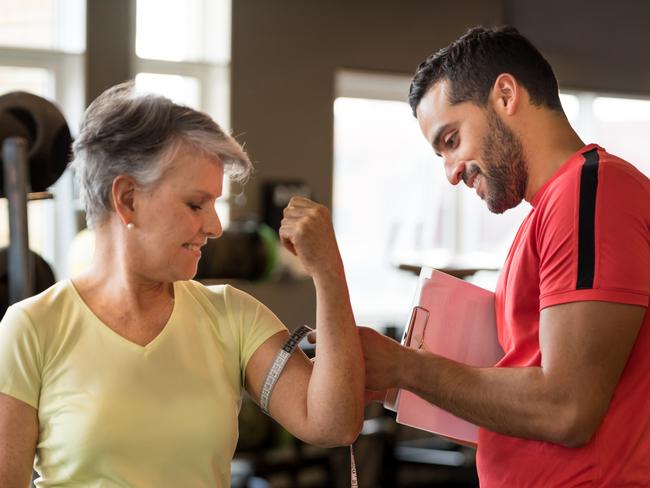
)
(311, 337)
(375, 396)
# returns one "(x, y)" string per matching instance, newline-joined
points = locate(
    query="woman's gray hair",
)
(128, 133)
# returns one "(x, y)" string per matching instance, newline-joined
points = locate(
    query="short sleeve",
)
(20, 357)
(598, 251)
(254, 321)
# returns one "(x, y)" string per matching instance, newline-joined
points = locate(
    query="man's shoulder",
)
(621, 174)
(607, 171)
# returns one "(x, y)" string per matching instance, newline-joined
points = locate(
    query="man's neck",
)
(549, 141)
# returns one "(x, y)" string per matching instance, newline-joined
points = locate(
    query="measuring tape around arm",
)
(278, 365)
(274, 373)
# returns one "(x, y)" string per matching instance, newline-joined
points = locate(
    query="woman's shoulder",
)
(49, 302)
(224, 301)
(222, 294)
(39, 315)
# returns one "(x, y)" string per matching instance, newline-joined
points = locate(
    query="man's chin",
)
(497, 207)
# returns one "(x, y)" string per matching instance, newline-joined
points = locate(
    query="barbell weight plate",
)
(49, 141)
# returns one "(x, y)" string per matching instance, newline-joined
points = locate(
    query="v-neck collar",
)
(120, 338)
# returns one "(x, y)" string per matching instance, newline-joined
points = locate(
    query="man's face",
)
(476, 146)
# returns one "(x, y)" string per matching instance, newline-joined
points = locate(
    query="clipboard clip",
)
(414, 335)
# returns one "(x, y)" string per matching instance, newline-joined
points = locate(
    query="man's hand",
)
(383, 359)
(369, 394)
(374, 396)
(306, 231)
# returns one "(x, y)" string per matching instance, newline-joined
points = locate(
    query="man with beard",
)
(568, 404)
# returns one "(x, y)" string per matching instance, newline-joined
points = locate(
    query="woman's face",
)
(174, 219)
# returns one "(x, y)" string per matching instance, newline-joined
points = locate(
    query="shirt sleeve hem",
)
(268, 333)
(616, 296)
(18, 395)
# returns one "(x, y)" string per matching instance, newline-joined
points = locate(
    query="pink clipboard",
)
(454, 319)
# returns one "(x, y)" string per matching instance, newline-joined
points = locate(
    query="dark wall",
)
(285, 54)
(594, 45)
(110, 39)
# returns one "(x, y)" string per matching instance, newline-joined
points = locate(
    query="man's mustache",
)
(467, 174)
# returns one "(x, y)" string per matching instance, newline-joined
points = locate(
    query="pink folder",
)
(455, 319)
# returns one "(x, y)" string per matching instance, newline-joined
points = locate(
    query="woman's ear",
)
(506, 94)
(123, 193)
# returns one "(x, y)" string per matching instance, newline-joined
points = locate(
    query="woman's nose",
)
(212, 227)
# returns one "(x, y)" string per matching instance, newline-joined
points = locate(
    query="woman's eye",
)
(194, 207)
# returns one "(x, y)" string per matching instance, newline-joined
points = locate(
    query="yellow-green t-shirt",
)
(113, 413)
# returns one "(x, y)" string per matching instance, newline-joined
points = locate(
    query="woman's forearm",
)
(335, 395)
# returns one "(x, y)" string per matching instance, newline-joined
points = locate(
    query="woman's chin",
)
(184, 274)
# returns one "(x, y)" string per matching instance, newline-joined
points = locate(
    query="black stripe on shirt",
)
(587, 220)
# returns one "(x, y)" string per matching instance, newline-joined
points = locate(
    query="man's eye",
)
(451, 140)
(194, 207)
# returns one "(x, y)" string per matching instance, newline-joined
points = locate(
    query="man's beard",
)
(505, 173)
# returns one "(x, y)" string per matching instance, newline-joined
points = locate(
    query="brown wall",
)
(285, 54)
(592, 44)
(110, 39)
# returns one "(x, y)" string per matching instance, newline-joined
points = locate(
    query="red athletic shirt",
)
(586, 238)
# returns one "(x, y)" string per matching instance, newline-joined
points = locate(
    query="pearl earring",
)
(130, 226)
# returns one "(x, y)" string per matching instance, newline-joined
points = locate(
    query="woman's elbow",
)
(343, 433)
(352, 432)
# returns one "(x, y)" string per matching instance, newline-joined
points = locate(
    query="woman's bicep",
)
(18, 438)
(288, 402)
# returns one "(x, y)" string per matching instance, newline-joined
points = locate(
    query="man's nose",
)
(454, 171)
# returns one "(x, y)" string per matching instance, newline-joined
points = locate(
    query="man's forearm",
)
(512, 401)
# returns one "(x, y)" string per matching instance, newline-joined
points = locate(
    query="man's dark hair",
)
(473, 63)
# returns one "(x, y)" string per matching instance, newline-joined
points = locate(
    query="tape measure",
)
(273, 375)
(278, 365)
(353, 470)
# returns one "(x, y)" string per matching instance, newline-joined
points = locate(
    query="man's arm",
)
(584, 347)
(18, 437)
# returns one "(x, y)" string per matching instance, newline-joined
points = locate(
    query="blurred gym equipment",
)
(246, 250)
(35, 151)
(43, 276)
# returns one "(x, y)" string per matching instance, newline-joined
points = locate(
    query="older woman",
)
(131, 374)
